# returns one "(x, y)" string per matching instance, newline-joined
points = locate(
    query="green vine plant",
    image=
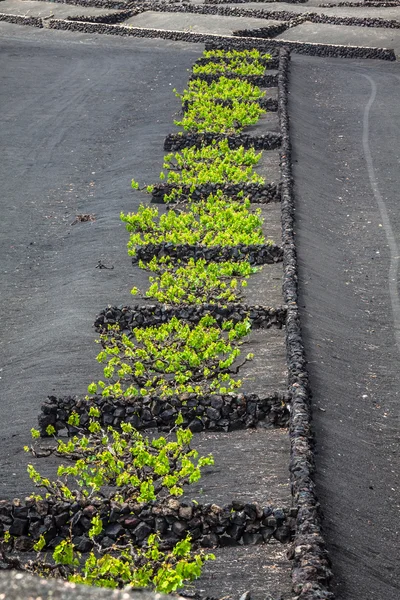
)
(220, 90)
(115, 567)
(118, 566)
(196, 281)
(234, 65)
(121, 466)
(174, 358)
(214, 221)
(241, 55)
(208, 116)
(215, 163)
(138, 470)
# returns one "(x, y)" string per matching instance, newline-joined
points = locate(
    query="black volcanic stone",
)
(61, 519)
(235, 531)
(107, 542)
(279, 515)
(252, 539)
(196, 425)
(83, 544)
(160, 525)
(115, 530)
(23, 544)
(267, 533)
(226, 541)
(19, 527)
(179, 528)
(209, 541)
(141, 532)
(20, 512)
(283, 534)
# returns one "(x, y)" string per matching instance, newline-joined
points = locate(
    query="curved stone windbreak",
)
(142, 315)
(217, 412)
(255, 254)
(267, 141)
(269, 30)
(209, 525)
(311, 571)
(260, 32)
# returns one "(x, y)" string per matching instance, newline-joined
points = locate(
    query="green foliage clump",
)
(208, 116)
(216, 220)
(121, 565)
(215, 163)
(236, 55)
(144, 567)
(172, 358)
(235, 65)
(123, 467)
(197, 281)
(136, 468)
(221, 89)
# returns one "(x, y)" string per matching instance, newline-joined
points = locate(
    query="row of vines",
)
(120, 465)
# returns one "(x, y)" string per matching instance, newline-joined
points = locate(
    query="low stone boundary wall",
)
(267, 141)
(218, 412)
(209, 525)
(311, 573)
(258, 194)
(266, 80)
(21, 20)
(142, 315)
(255, 254)
(269, 104)
(112, 18)
(308, 48)
(269, 31)
(210, 40)
(269, 63)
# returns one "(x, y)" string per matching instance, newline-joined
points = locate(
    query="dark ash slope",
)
(347, 315)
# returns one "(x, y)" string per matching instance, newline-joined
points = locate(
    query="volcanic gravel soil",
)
(345, 133)
(69, 146)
